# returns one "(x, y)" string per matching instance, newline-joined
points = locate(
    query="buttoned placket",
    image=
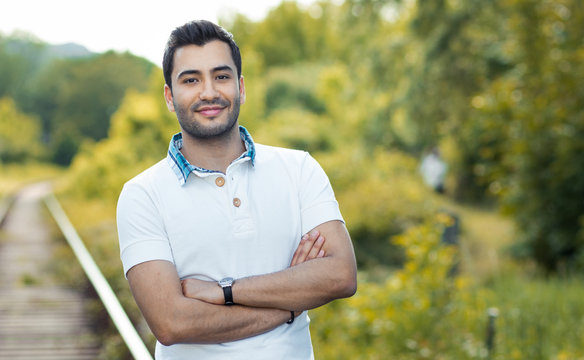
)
(234, 177)
(236, 186)
(232, 190)
(223, 186)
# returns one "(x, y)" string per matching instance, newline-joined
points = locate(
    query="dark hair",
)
(198, 32)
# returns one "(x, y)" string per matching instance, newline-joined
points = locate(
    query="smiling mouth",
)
(210, 111)
(210, 108)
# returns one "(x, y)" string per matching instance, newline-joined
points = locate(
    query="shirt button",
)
(236, 202)
(220, 181)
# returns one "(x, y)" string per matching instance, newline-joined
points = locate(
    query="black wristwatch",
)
(226, 284)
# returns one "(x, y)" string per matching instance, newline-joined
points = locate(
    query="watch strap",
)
(228, 295)
(291, 318)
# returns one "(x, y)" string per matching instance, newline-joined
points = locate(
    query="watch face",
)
(228, 281)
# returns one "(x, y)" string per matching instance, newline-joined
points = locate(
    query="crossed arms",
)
(193, 311)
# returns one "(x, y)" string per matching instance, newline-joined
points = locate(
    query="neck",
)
(213, 153)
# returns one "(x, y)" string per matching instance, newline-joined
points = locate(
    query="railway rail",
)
(39, 318)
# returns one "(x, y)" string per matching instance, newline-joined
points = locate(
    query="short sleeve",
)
(141, 231)
(317, 199)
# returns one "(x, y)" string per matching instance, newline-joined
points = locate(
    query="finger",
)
(183, 285)
(298, 250)
(190, 287)
(316, 248)
(306, 244)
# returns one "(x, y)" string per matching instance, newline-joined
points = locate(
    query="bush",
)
(421, 311)
(19, 134)
(380, 195)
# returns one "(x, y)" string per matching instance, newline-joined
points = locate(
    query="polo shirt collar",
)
(182, 168)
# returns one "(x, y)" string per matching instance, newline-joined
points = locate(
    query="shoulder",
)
(291, 157)
(156, 172)
(149, 179)
(298, 165)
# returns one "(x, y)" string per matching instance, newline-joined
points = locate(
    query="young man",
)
(211, 237)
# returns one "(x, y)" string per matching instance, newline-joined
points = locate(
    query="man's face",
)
(206, 92)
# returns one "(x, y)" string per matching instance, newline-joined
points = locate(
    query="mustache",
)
(216, 102)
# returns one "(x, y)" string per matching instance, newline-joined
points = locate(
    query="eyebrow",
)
(199, 72)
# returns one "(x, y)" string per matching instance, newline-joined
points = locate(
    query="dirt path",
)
(39, 319)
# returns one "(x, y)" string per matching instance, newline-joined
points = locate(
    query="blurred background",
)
(452, 132)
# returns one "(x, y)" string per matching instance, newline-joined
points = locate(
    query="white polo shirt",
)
(211, 225)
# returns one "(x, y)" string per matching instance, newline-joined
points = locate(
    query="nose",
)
(209, 91)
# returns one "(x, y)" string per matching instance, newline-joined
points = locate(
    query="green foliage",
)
(293, 87)
(285, 37)
(253, 112)
(19, 134)
(495, 82)
(73, 95)
(533, 126)
(73, 111)
(420, 311)
(380, 195)
(22, 56)
(14, 176)
(139, 136)
(524, 331)
(297, 129)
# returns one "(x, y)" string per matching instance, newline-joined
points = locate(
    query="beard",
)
(217, 129)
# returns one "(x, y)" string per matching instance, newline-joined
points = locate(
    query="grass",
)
(539, 318)
(485, 236)
(14, 177)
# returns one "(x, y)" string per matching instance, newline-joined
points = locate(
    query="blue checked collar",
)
(182, 168)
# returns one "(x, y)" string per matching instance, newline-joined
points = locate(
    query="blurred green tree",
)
(22, 56)
(19, 134)
(76, 98)
(139, 136)
(538, 108)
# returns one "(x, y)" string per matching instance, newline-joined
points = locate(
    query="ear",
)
(168, 98)
(241, 91)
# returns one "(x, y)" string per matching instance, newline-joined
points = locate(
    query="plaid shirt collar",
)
(182, 168)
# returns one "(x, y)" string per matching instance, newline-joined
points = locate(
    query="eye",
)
(223, 77)
(189, 80)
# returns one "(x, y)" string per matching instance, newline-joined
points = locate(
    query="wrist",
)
(227, 286)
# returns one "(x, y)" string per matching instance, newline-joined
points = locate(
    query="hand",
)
(207, 291)
(310, 248)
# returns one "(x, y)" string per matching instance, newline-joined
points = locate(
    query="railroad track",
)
(39, 318)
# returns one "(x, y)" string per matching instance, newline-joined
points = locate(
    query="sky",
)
(141, 27)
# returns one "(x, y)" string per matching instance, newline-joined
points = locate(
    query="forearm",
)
(174, 318)
(302, 287)
(211, 324)
(312, 280)
(308, 284)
